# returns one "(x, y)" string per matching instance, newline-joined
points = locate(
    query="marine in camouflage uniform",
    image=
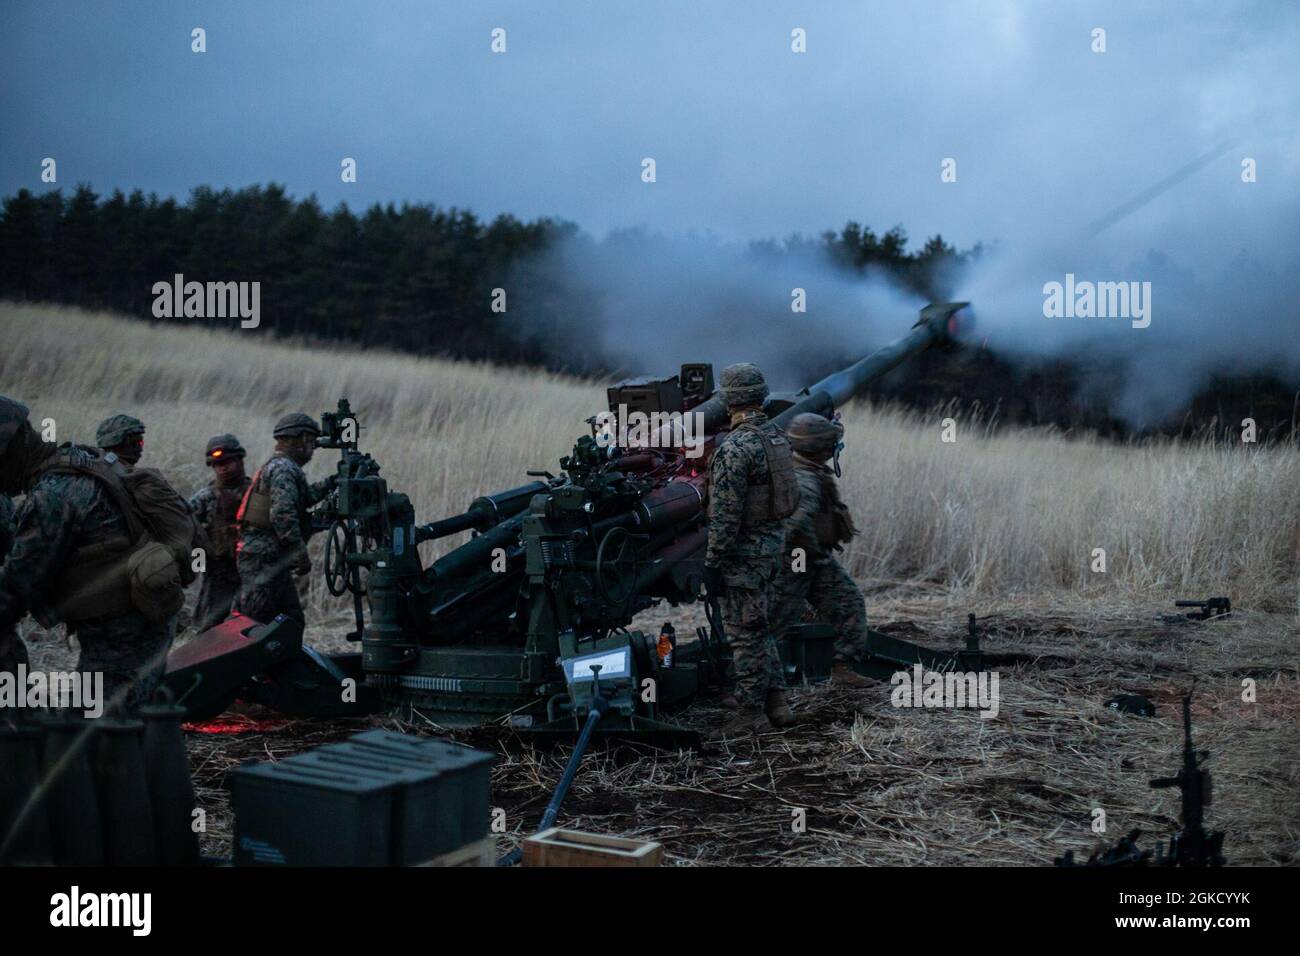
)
(63, 520)
(7, 517)
(120, 437)
(215, 507)
(820, 526)
(123, 436)
(751, 489)
(12, 649)
(274, 524)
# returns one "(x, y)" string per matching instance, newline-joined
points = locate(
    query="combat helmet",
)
(296, 423)
(116, 429)
(742, 384)
(812, 434)
(816, 438)
(223, 446)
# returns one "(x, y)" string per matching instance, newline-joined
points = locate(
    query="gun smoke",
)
(648, 302)
(1214, 315)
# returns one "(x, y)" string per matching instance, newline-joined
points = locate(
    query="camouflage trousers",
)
(130, 651)
(216, 596)
(12, 653)
(834, 597)
(267, 588)
(756, 663)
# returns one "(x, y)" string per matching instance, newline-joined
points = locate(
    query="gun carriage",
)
(531, 619)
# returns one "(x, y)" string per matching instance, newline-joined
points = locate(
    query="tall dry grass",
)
(1018, 510)
(1002, 513)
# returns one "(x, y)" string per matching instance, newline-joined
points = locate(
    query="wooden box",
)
(479, 853)
(557, 847)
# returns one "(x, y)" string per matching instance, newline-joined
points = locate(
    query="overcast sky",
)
(751, 140)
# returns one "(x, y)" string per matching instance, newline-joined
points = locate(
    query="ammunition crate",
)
(377, 799)
(467, 772)
(294, 814)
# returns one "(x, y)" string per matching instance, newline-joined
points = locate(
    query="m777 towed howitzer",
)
(514, 622)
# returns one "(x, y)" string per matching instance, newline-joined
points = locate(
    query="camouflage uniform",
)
(12, 649)
(121, 440)
(746, 551)
(215, 508)
(61, 514)
(822, 583)
(266, 557)
(8, 515)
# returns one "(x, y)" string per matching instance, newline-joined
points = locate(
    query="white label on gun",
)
(611, 665)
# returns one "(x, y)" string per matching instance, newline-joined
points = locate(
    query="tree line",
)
(415, 278)
(418, 278)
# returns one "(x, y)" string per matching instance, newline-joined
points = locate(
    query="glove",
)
(302, 563)
(713, 583)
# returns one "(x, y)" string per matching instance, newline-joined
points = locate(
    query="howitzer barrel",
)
(939, 324)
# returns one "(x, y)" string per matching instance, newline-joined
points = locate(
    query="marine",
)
(12, 649)
(820, 526)
(68, 561)
(123, 437)
(215, 507)
(752, 489)
(275, 523)
(120, 439)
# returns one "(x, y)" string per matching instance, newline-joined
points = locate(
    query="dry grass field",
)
(991, 514)
(1002, 523)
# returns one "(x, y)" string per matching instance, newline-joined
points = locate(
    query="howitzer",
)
(515, 622)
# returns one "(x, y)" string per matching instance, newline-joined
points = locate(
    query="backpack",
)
(147, 572)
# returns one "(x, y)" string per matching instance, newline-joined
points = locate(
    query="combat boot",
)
(778, 711)
(843, 675)
(743, 722)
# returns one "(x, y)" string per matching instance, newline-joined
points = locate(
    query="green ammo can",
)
(467, 775)
(426, 802)
(296, 813)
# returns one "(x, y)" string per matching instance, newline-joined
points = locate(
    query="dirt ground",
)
(860, 781)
